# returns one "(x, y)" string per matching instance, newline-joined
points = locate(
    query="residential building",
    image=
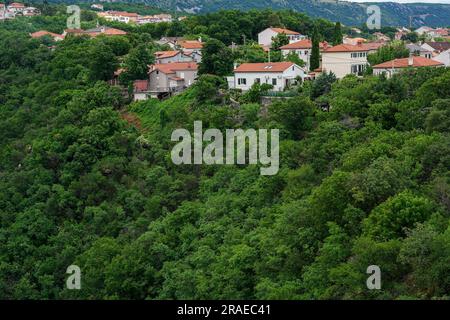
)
(31, 11)
(166, 79)
(372, 47)
(102, 30)
(417, 50)
(381, 37)
(389, 68)
(140, 91)
(436, 47)
(279, 74)
(443, 57)
(265, 36)
(189, 46)
(170, 41)
(439, 32)
(172, 56)
(399, 35)
(96, 6)
(345, 59)
(16, 7)
(43, 33)
(303, 49)
(157, 18)
(353, 41)
(120, 16)
(423, 30)
(196, 56)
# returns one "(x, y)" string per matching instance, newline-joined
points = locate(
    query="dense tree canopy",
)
(86, 179)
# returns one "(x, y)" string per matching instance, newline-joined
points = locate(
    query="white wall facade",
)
(304, 54)
(265, 37)
(444, 57)
(279, 80)
(344, 63)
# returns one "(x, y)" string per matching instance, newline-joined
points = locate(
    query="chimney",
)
(199, 39)
(235, 66)
(410, 61)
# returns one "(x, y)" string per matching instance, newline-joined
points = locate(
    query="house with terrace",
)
(278, 74)
(166, 79)
(345, 59)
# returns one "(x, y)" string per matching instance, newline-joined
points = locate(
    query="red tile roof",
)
(285, 31)
(264, 67)
(17, 5)
(404, 63)
(303, 44)
(41, 33)
(166, 54)
(191, 44)
(122, 13)
(373, 45)
(140, 85)
(346, 48)
(173, 67)
(439, 45)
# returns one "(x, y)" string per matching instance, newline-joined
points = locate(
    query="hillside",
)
(86, 179)
(393, 14)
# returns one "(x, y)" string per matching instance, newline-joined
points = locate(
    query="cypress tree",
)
(315, 54)
(337, 37)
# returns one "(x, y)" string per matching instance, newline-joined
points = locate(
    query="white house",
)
(424, 29)
(120, 16)
(392, 67)
(16, 7)
(303, 49)
(444, 57)
(417, 50)
(265, 36)
(345, 59)
(278, 74)
(436, 47)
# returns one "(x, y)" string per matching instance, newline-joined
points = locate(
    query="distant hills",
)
(348, 13)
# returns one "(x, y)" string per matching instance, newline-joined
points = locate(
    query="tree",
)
(392, 51)
(337, 36)
(315, 52)
(293, 57)
(216, 58)
(136, 63)
(322, 84)
(279, 40)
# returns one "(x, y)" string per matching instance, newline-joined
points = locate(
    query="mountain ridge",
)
(349, 13)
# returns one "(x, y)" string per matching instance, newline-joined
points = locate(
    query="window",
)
(358, 68)
(257, 80)
(274, 81)
(242, 81)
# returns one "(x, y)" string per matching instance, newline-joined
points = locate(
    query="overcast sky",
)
(403, 1)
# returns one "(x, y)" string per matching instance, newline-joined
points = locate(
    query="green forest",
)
(86, 177)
